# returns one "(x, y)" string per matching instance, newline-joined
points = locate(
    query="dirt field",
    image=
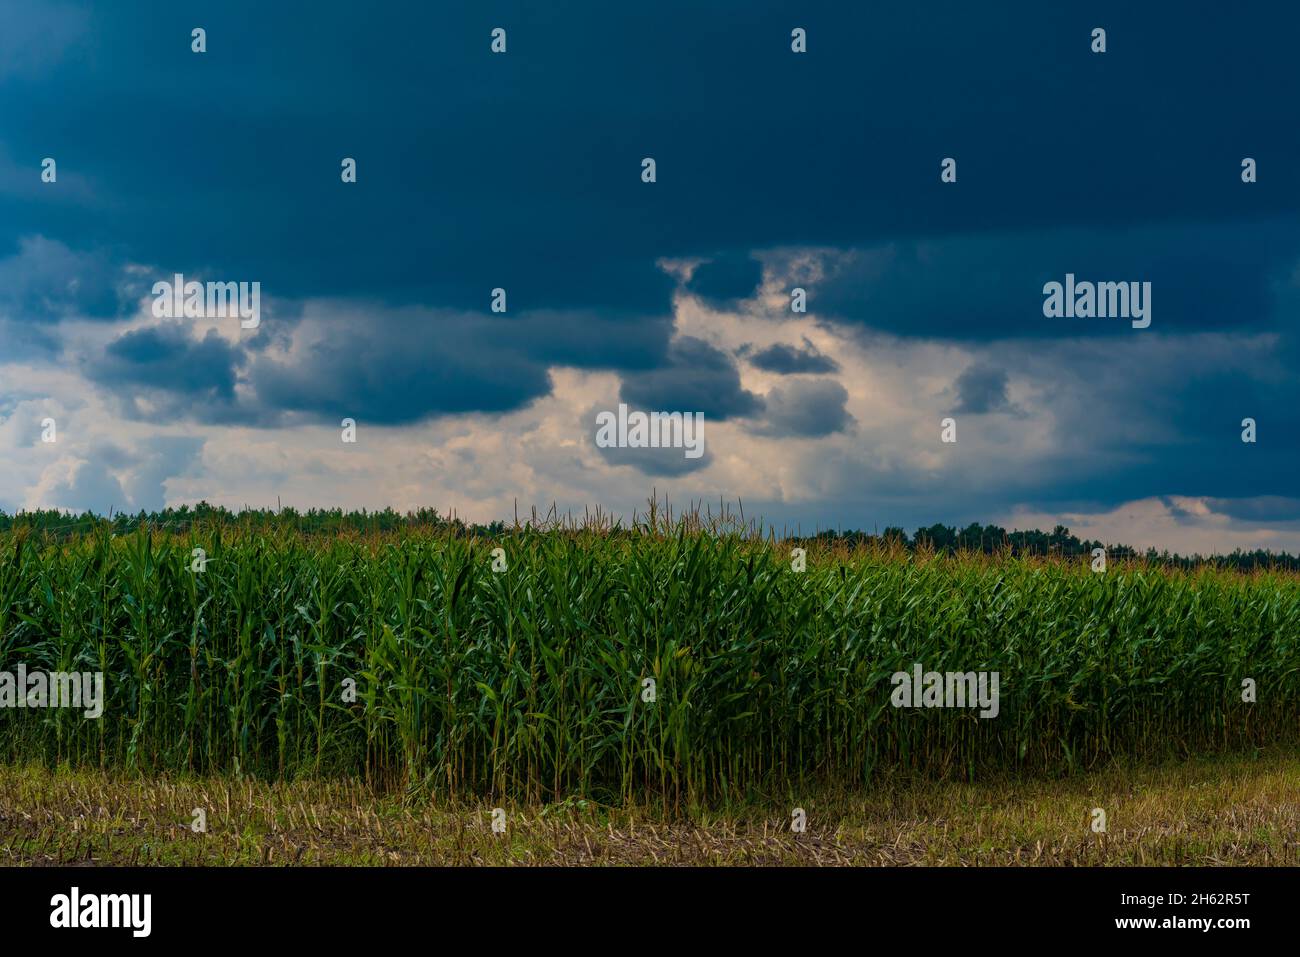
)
(1229, 810)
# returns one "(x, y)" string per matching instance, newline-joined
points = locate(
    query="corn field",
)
(529, 681)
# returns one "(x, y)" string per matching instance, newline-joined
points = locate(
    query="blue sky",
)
(774, 170)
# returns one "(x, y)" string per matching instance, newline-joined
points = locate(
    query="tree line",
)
(938, 538)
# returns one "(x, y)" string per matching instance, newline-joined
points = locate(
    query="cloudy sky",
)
(774, 170)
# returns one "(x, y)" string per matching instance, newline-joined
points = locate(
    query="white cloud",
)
(889, 464)
(1178, 523)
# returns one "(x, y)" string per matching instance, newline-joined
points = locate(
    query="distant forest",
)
(989, 539)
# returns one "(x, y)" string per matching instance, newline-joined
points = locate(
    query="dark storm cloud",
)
(43, 280)
(697, 378)
(785, 359)
(198, 376)
(522, 171)
(402, 370)
(1271, 508)
(725, 280)
(1200, 435)
(666, 462)
(361, 360)
(1154, 420)
(980, 287)
(589, 339)
(806, 409)
(980, 389)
